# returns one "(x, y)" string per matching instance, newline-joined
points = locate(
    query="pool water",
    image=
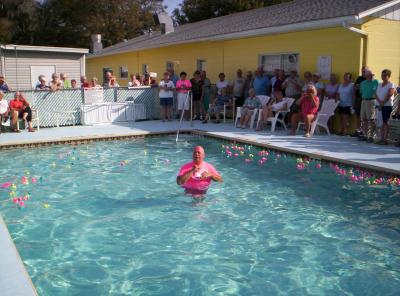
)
(108, 219)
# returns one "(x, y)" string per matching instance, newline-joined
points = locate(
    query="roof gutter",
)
(378, 8)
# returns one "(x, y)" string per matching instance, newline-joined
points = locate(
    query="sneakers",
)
(382, 142)
(370, 140)
(362, 138)
(239, 126)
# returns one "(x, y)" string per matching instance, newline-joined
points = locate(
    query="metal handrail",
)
(188, 96)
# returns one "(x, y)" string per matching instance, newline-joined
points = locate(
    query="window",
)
(286, 62)
(123, 72)
(169, 66)
(145, 68)
(201, 65)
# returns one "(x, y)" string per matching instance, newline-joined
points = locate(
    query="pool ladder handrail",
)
(188, 97)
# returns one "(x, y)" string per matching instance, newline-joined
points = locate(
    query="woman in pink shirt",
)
(183, 86)
(309, 103)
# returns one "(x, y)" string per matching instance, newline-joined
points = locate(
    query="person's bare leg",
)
(385, 131)
(169, 111)
(242, 117)
(307, 122)
(263, 115)
(14, 119)
(346, 124)
(30, 128)
(294, 121)
(248, 117)
(365, 127)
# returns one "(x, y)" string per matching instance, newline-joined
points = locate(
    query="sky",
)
(172, 4)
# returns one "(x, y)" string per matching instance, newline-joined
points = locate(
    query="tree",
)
(71, 22)
(18, 21)
(196, 10)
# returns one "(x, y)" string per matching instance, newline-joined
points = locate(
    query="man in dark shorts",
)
(358, 99)
(197, 92)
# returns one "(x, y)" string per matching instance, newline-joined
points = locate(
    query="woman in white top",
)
(345, 95)
(279, 103)
(332, 87)
(166, 94)
(134, 81)
(384, 103)
(3, 109)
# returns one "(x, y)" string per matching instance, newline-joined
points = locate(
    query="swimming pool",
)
(108, 219)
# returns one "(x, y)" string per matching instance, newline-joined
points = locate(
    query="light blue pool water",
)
(96, 226)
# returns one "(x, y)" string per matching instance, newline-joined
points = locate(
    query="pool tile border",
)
(141, 134)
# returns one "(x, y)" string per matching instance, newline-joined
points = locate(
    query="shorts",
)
(181, 97)
(245, 111)
(344, 110)
(386, 111)
(196, 97)
(367, 110)
(215, 109)
(357, 106)
(166, 101)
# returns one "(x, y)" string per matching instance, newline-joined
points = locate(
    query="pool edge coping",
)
(20, 273)
(312, 155)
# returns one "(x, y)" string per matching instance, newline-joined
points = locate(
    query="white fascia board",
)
(378, 8)
(44, 48)
(312, 25)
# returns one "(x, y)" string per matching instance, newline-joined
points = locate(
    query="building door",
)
(41, 70)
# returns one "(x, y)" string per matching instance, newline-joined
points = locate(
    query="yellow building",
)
(309, 35)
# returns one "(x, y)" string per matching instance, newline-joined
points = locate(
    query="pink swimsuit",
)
(196, 183)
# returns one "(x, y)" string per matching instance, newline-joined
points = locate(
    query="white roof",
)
(43, 48)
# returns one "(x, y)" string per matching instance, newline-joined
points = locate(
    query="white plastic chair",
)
(227, 107)
(279, 116)
(264, 101)
(327, 111)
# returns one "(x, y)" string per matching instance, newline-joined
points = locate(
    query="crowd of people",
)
(368, 100)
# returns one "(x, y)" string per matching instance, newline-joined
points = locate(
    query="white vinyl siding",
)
(68, 63)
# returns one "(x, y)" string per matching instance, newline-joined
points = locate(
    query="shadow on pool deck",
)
(345, 149)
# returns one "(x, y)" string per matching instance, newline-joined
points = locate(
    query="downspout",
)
(364, 36)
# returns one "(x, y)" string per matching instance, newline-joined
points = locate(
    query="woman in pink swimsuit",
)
(309, 103)
(196, 176)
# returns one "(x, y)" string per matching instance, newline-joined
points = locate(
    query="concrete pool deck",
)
(334, 148)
